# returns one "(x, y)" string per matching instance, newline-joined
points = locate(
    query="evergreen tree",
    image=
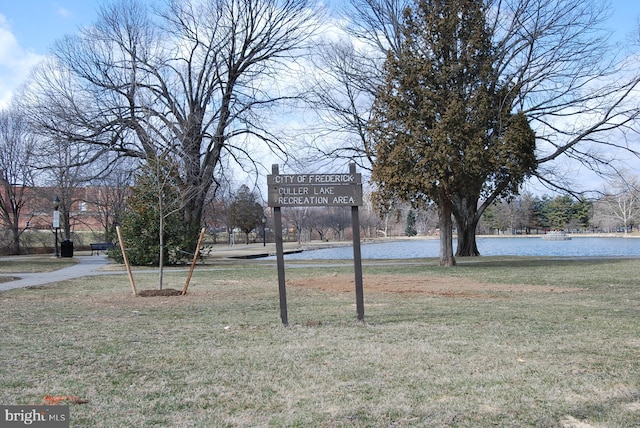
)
(442, 123)
(153, 226)
(410, 228)
(245, 212)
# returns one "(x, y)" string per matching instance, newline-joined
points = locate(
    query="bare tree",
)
(193, 80)
(344, 88)
(316, 221)
(572, 87)
(16, 173)
(110, 198)
(216, 215)
(369, 219)
(620, 206)
(65, 168)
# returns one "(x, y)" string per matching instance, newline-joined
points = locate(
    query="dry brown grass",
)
(491, 342)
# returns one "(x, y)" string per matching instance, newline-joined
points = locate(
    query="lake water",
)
(516, 246)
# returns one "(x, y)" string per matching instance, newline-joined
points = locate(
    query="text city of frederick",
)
(315, 190)
(315, 178)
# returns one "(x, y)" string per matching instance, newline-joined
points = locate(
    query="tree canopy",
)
(443, 125)
(553, 57)
(16, 174)
(245, 212)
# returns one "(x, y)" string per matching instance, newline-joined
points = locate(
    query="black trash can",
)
(66, 248)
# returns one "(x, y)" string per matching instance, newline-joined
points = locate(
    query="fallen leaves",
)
(53, 400)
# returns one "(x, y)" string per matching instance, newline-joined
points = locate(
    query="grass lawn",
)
(507, 342)
(33, 264)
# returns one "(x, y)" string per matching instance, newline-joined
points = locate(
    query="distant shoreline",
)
(539, 235)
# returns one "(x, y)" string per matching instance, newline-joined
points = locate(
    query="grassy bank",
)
(491, 342)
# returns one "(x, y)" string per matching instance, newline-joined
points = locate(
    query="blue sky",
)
(36, 23)
(28, 28)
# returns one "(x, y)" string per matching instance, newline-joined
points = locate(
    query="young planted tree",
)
(443, 126)
(152, 226)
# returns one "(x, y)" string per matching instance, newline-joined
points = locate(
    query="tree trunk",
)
(446, 231)
(467, 246)
(199, 181)
(11, 216)
(192, 211)
(161, 242)
(467, 215)
(14, 246)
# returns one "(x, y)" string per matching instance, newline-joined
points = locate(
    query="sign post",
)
(282, 289)
(357, 256)
(316, 190)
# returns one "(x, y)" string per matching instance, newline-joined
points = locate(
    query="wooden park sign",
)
(316, 190)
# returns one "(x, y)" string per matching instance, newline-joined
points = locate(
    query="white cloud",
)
(65, 13)
(15, 62)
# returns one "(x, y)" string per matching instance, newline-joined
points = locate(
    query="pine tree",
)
(410, 228)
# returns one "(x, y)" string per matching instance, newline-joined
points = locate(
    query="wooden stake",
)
(193, 263)
(126, 260)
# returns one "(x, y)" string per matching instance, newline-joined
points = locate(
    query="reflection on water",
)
(531, 246)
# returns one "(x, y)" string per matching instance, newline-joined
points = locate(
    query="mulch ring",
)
(164, 292)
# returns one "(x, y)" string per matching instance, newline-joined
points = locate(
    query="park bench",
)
(100, 246)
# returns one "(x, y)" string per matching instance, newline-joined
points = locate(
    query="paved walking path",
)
(92, 265)
(86, 266)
